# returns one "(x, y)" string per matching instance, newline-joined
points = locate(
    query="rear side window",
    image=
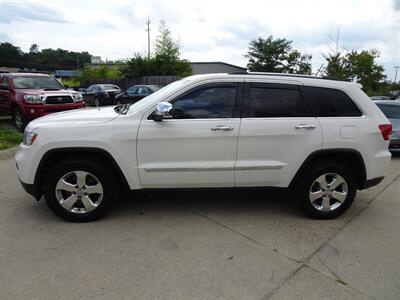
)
(273, 101)
(328, 102)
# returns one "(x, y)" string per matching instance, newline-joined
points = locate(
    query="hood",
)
(47, 92)
(76, 117)
(395, 124)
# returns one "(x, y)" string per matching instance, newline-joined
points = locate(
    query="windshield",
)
(154, 88)
(36, 82)
(390, 111)
(132, 89)
(110, 87)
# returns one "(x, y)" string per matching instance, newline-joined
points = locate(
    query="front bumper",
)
(31, 189)
(33, 111)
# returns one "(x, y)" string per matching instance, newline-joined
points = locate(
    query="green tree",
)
(46, 59)
(10, 55)
(165, 60)
(34, 49)
(359, 67)
(165, 45)
(276, 55)
(136, 66)
(336, 66)
(363, 68)
(98, 72)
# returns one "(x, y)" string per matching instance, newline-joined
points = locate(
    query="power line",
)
(148, 38)
(395, 75)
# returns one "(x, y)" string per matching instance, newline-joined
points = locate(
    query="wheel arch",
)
(350, 157)
(53, 156)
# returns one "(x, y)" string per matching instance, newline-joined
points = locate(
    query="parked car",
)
(135, 93)
(321, 138)
(27, 96)
(391, 109)
(377, 98)
(101, 94)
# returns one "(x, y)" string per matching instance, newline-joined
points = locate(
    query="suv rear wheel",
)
(79, 190)
(326, 190)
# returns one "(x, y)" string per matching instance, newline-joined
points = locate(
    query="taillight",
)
(386, 130)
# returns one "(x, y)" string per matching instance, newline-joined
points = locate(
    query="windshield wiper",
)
(50, 89)
(122, 109)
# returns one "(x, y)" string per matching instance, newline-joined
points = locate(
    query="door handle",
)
(223, 128)
(304, 126)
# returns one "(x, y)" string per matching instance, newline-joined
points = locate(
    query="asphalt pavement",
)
(201, 245)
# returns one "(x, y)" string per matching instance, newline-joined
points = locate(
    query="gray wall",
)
(206, 68)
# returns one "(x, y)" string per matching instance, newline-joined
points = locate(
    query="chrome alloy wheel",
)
(79, 192)
(328, 192)
(18, 120)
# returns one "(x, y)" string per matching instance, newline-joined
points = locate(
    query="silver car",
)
(392, 111)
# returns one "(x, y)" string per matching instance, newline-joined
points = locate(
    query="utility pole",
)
(395, 75)
(148, 38)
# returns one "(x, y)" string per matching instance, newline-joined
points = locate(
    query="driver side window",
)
(4, 82)
(206, 103)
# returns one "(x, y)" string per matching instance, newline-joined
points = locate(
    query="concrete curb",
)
(7, 153)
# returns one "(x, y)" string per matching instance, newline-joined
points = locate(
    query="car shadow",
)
(208, 202)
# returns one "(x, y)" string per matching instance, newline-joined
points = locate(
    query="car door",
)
(197, 146)
(5, 95)
(276, 136)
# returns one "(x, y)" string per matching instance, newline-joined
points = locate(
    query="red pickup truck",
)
(27, 96)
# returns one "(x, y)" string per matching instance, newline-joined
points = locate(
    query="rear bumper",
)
(394, 145)
(372, 182)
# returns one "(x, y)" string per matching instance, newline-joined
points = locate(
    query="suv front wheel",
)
(81, 190)
(18, 119)
(326, 189)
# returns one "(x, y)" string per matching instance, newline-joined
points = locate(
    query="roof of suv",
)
(291, 78)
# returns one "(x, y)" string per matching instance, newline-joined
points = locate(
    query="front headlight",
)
(33, 99)
(78, 97)
(29, 138)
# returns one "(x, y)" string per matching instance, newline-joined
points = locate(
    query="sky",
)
(207, 30)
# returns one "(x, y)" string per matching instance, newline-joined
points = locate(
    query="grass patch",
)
(9, 138)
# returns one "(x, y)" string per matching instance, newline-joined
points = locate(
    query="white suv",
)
(322, 138)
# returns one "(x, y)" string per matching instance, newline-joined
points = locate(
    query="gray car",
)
(392, 111)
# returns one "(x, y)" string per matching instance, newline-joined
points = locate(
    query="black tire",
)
(102, 174)
(18, 119)
(307, 184)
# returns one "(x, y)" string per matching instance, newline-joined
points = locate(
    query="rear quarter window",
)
(327, 102)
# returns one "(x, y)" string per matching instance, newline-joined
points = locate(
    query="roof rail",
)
(287, 75)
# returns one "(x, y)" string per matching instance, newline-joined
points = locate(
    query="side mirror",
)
(66, 86)
(162, 111)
